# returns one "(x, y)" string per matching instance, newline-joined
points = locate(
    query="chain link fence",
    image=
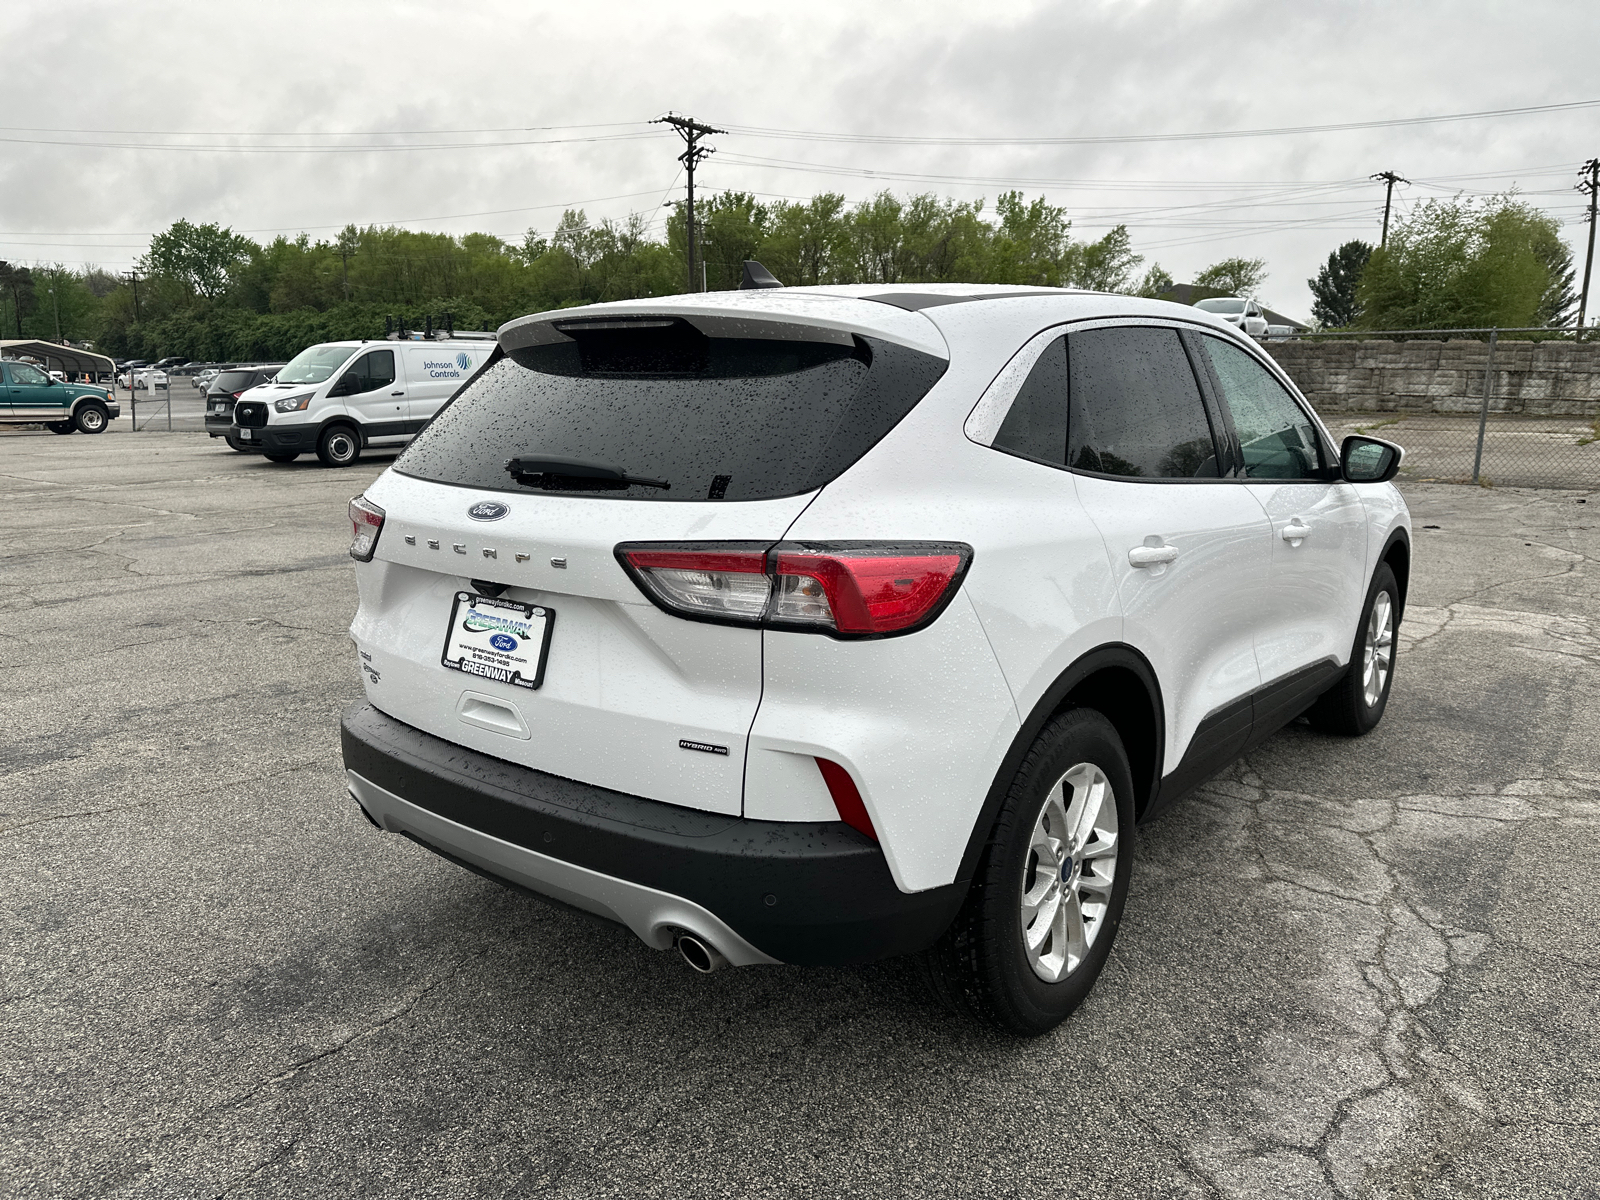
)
(1493, 407)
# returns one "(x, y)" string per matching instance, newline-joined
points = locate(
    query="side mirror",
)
(1369, 460)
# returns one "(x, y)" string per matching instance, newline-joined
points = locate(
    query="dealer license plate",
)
(246, 435)
(503, 640)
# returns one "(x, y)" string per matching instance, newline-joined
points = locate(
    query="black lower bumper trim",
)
(277, 440)
(810, 893)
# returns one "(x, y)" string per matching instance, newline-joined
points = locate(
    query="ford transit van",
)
(337, 398)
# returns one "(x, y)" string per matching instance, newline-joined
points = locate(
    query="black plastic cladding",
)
(772, 550)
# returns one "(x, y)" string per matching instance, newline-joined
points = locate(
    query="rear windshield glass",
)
(711, 418)
(235, 381)
(1221, 306)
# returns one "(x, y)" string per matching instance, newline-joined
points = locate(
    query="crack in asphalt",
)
(1409, 964)
(405, 1006)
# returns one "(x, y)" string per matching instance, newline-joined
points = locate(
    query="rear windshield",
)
(235, 381)
(712, 418)
(1221, 306)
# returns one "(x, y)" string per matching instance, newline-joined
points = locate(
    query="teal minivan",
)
(28, 396)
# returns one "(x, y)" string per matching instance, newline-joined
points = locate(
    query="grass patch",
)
(1594, 436)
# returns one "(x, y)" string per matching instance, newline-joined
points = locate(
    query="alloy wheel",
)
(1378, 650)
(1069, 873)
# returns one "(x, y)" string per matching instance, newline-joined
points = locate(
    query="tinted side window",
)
(1135, 407)
(1277, 438)
(1036, 425)
(374, 370)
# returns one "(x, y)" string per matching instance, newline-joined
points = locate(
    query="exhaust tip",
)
(700, 955)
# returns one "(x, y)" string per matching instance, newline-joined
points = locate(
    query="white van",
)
(337, 397)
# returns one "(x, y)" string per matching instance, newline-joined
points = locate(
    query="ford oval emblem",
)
(488, 510)
(503, 642)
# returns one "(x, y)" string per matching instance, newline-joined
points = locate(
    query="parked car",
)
(33, 397)
(821, 625)
(150, 379)
(224, 390)
(1241, 313)
(337, 398)
(168, 362)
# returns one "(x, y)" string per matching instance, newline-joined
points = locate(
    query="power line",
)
(1114, 139)
(369, 149)
(314, 132)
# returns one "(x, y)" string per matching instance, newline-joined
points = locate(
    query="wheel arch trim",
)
(1114, 656)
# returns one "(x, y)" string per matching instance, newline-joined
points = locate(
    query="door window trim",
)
(1209, 381)
(989, 414)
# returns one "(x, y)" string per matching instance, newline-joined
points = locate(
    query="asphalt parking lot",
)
(1349, 968)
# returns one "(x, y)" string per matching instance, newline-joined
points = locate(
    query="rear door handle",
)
(1295, 532)
(1150, 556)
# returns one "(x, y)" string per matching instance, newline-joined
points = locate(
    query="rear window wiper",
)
(575, 474)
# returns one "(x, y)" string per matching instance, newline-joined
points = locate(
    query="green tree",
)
(1234, 276)
(200, 257)
(1155, 284)
(1461, 263)
(1107, 265)
(1334, 289)
(17, 283)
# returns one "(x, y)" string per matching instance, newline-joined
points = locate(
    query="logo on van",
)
(488, 510)
(463, 361)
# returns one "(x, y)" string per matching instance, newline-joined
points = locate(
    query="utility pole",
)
(1592, 186)
(56, 304)
(693, 152)
(133, 277)
(1389, 178)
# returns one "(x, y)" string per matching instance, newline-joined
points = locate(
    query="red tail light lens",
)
(864, 593)
(366, 518)
(860, 589)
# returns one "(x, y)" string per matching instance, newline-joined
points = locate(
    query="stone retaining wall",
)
(1535, 378)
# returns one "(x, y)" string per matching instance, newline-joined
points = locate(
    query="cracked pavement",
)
(1358, 968)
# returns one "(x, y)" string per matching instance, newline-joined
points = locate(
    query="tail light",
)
(366, 518)
(846, 590)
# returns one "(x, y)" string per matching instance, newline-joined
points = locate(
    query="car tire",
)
(1354, 705)
(289, 457)
(91, 418)
(339, 446)
(61, 427)
(997, 961)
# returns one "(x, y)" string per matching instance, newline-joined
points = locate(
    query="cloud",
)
(931, 68)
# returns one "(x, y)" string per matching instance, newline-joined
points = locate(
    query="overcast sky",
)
(223, 78)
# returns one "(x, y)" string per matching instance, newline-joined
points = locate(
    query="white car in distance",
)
(820, 625)
(1243, 314)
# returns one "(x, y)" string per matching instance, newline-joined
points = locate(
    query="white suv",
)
(820, 625)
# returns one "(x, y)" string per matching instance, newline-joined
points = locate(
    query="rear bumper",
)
(810, 893)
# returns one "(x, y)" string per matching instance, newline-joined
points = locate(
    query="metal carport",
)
(57, 357)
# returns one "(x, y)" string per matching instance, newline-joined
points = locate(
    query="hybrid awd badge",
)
(488, 510)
